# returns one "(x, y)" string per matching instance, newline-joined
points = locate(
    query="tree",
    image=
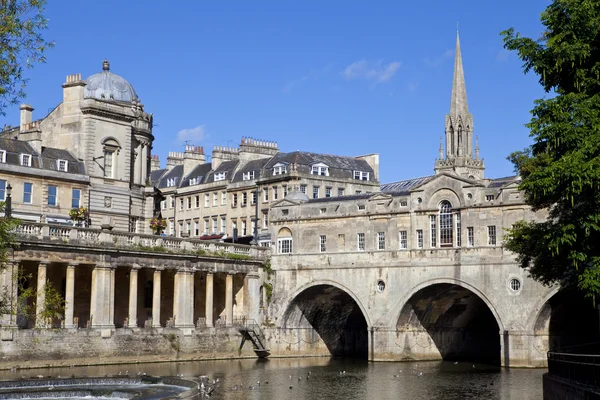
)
(21, 45)
(561, 170)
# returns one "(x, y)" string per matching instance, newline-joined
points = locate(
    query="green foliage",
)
(268, 290)
(21, 45)
(561, 169)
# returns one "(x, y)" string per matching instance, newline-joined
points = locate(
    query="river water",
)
(322, 378)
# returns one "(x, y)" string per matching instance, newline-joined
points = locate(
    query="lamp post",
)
(8, 202)
(254, 241)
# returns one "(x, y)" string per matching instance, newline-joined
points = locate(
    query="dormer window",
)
(3, 156)
(26, 160)
(279, 169)
(195, 180)
(248, 175)
(171, 182)
(62, 165)
(361, 175)
(320, 169)
(220, 176)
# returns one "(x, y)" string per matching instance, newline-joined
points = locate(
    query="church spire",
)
(458, 102)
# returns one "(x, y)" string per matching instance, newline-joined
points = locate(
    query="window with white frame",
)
(284, 245)
(197, 201)
(275, 193)
(27, 192)
(234, 200)
(2, 190)
(266, 194)
(303, 189)
(380, 240)
(171, 201)
(26, 160)
(320, 169)
(206, 225)
(285, 190)
(244, 227)
(196, 227)
(340, 191)
(419, 238)
(252, 226)
(109, 156)
(458, 231)
(171, 227)
(220, 176)
(188, 227)
(244, 199)
(223, 224)
(163, 205)
(433, 230)
(180, 230)
(171, 182)
(214, 225)
(133, 224)
(403, 203)
(403, 240)
(446, 224)
(52, 195)
(181, 202)
(279, 169)
(189, 203)
(470, 236)
(322, 243)
(193, 181)
(76, 198)
(265, 219)
(62, 165)
(253, 197)
(215, 199)
(223, 198)
(327, 192)
(489, 197)
(2, 156)
(206, 200)
(361, 175)
(246, 176)
(360, 241)
(491, 235)
(315, 192)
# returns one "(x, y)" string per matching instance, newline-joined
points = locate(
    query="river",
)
(322, 378)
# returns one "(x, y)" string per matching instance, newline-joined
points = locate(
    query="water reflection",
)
(320, 378)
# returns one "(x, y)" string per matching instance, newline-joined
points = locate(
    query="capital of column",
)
(72, 265)
(252, 275)
(158, 269)
(135, 266)
(44, 262)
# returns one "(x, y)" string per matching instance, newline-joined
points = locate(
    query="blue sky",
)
(336, 77)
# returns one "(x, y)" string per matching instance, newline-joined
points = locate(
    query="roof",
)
(174, 173)
(499, 182)
(47, 160)
(404, 187)
(50, 156)
(253, 165)
(351, 197)
(156, 174)
(200, 172)
(339, 166)
(108, 86)
(227, 167)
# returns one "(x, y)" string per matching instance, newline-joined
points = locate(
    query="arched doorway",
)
(570, 322)
(450, 322)
(333, 315)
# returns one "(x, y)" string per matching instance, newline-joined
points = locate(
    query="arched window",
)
(284, 241)
(111, 148)
(446, 225)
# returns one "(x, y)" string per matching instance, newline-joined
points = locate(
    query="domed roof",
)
(297, 196)
(108, 86)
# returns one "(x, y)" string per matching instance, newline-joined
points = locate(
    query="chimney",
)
(174, 158)
(26, 116)
(192, 157)
(73, 88)
(373, 161)
(154, 163)
(257, 146)
(222, 153)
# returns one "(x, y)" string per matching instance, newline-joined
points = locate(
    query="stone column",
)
(183, 299)
(252, 296)
(40, 303)
(111, 309)
(229, 299)
(209, 299)
(133, 296)
(70, 296)
(102, 299)
(144, 162)
(156, 299)
(136, 164)
(8, 285)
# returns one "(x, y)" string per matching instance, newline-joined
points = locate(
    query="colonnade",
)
(99, 296)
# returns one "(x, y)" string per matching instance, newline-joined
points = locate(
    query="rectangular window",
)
(403, 203)
(206, 225)
(26, 160)
(215, 199)
(403, 240)
(180, 230)
(189, 203)
(108, 163)
(285, 190)
(360, 240)
(27, 190)
(62, 165)
(246, 176)
(357, 191)
(244, 199)
(133, 224)
(275, 193)
(188, 227)
(253, 198)
(234, 200)
(223, 198)
(361, 176)
(315, 192)
(489, 197)
(220, 176)
(284, 246)
(181, 204)
(265, 219)
(171, 201)
(266, 194)
(470, 236)
(458, 231)
(171, 227)
(2, 190)
(327, 192)
(163, 205)
(420, 238)
(303, 189)
(323, 243)
(214, 225)
(380, 240)
(196, 227)
(491, 235)
(340, 191)
(446, 228)
(52, 191)
(279, 169)
(223, 224)
(76, 198)
(207, 200)
(3, 156)
(244, 226)
(197, 201)
(433, 231)
(252, 226)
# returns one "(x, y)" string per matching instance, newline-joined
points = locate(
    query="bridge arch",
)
(333, 313)
(448, 319)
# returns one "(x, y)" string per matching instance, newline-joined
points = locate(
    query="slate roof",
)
(405, 186)
(46, 160)
(339, 166)
(350, 197)
(253, 165)
(200, 172)
(500, 182)
(227, 166)
(175, 172)
(155, 175)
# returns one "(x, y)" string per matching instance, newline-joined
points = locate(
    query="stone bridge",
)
(471, 304)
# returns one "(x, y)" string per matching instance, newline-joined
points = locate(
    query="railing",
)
(571, 364)
(136, 241)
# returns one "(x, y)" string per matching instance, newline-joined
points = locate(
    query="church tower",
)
(458, 157)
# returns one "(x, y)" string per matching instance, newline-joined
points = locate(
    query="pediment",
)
(285, 203)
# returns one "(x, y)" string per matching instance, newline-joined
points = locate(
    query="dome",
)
(108, 86)
(297, 196)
